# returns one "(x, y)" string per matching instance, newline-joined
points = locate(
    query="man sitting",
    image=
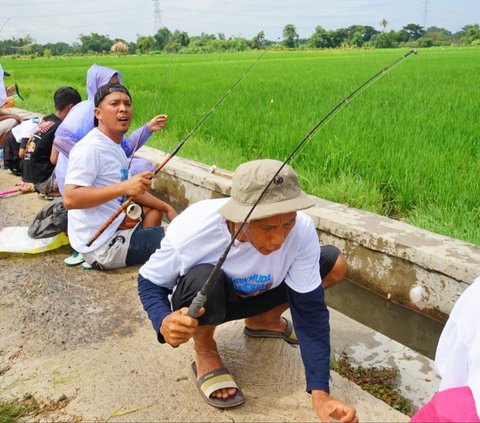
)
(38, 157)
(97, 183)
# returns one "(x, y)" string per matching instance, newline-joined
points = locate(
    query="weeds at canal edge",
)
(378, 381)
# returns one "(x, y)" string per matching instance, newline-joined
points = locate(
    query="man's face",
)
(268, 235)
(114, 114)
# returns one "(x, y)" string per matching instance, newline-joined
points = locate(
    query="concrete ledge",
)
(367, 348)
(384, 255)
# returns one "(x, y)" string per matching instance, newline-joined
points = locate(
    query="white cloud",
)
(63, 20)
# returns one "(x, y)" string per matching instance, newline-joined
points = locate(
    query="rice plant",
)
(407, 147)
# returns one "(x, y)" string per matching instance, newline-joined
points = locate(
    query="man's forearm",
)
(76, 197)
(148, 200)
(155, 302)
(311, 321)
(137, 138)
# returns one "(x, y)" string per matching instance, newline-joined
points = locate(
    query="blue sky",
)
(64, 20)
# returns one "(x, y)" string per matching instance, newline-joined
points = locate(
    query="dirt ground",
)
(79, 339)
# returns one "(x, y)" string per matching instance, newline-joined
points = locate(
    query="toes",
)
(224, 393)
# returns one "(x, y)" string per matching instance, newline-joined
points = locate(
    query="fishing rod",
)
(24, 188)
(134, 211)
(3, 26)
(10, 191)
(202, 295)
(169, 156)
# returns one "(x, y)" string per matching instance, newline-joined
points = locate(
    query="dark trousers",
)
(143, 243)
(223, 304)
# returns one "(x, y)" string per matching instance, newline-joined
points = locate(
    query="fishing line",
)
(3, 26)
(170, 155)
(150, 109)
(133, 210)
(202, 295)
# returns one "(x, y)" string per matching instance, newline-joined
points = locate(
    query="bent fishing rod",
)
(202, 295)
(169, 156)
(134, 211)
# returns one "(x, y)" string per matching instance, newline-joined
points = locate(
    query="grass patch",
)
(378, 381)
(28, 408)
(12, 412)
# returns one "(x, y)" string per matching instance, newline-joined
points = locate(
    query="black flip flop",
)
(215, 380)
(288, 336)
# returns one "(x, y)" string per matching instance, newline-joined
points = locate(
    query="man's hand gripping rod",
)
(123, 207)
(202, 295)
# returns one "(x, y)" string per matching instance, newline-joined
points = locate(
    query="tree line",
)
(165, 40)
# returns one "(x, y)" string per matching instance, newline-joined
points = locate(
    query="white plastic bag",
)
(15, 239)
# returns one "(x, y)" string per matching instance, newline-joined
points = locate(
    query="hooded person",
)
(80, 121)
(275, 263)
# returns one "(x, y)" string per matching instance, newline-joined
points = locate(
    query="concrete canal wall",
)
(384, 255)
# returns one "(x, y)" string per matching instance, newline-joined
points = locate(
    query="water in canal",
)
(415, 330)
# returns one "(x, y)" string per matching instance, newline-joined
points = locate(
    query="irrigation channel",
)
(404, 325)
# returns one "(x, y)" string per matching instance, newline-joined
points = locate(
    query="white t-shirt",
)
(200, 235)
(25, 130)
(457, 359)
(95, 161)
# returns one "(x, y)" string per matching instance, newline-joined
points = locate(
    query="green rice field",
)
(407, 147)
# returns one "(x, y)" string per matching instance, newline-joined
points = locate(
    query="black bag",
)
(49, 221)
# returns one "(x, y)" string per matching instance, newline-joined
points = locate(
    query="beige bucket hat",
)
(284, 195)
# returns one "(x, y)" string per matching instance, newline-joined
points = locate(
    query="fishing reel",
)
(134, 211)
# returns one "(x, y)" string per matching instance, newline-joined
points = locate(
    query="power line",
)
(3, 26)
(425, 15)
(89, 13)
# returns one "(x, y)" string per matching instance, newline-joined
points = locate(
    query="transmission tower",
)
(425, 15)
(157, 16)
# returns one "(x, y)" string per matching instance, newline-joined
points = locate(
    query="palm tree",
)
(383, 24)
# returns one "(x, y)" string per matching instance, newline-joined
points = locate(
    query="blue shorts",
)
(143, 243)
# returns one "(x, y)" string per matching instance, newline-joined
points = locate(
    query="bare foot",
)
(269, 320)
(277, 325)
(208, 361)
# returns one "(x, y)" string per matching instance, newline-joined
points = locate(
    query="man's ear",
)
(97, 112)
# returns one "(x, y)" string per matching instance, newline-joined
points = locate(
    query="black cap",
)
(104, 90)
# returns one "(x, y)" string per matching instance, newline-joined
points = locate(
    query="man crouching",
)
(276, 263)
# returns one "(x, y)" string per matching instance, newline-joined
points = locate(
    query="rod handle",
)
(109, 221)
(197, 303)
